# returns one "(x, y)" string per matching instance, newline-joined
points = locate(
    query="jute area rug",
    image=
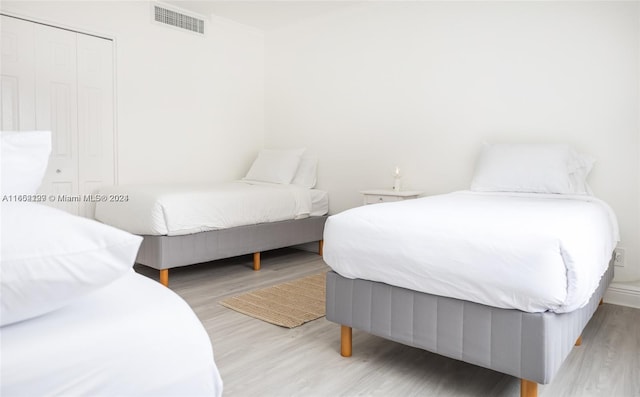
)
(289, 304)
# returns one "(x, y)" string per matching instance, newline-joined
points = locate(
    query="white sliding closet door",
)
(18, 75)
(59, 80)
(57, 111)
(95, 117)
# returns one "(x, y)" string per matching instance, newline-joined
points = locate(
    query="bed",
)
(274, 206)
(75, 319)
(505, 276)
(133, 337)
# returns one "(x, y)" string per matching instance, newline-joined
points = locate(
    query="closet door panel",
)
(95, 117)
(57, 110)
(17, 79)
(62, 81)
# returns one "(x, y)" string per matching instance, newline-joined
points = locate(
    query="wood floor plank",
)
(260, 359)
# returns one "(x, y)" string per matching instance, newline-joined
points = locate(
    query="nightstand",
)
(388, 196)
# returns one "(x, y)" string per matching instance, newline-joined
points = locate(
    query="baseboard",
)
(623, 294)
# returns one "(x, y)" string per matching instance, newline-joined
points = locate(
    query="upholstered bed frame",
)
(529, 346)
(166, 252)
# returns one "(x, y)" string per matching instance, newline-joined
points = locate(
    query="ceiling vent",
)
(173, 17)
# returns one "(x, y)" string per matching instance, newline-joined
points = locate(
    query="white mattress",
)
(531, 252)
(133, 337)
(185, 209)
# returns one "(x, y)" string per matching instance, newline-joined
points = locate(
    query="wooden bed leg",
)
(579, 341)
(320, 247)
(528, 388)
(164, 277)
(256, 261)
(601, 302)
(345, 341)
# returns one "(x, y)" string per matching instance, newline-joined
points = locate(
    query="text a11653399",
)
(65, 198)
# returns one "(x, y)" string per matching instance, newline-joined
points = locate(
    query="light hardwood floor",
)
(259, 359)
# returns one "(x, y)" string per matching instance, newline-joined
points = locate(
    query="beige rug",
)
(289, 304)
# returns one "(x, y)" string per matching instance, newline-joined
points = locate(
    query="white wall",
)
(418, 85)
(421, 85)
(190, 108)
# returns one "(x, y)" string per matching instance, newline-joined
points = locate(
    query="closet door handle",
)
(58, 171)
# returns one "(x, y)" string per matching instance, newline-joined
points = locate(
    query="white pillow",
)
(275, 166)
(582, 165)
(307, 173)
(536, 168)
(25, 155)
(50, 258)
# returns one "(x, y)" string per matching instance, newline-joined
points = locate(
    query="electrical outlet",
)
(618, 256)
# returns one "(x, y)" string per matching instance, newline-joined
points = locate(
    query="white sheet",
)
(532, 252)
(319, 202)
(184, 209)
(133, 337)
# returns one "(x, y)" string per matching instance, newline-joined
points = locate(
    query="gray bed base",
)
(530, 346)
(166, 252)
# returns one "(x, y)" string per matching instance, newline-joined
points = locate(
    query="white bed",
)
(532, 252)
(75, 319)
(505, 276)
(178, 209)
(274, 206)
(133, 337)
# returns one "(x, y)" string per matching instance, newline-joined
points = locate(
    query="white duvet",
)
(133, 337)
(531, 252)
(183, 209)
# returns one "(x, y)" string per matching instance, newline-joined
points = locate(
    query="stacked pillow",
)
(25, 156)
(532, 168)
(307, 173)
(284, 167)
(49, 258)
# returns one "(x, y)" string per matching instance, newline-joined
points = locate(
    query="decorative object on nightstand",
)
(397, 180)
(387, 196)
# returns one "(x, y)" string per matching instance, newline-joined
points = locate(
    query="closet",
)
(61, 80)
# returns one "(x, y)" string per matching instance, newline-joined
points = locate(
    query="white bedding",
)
(184, 209)
(532, 252)
(319, 202)
(133, 337)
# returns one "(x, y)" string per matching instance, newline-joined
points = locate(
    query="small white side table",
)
(388, 196)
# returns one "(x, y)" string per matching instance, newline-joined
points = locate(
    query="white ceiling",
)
(265, 15)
